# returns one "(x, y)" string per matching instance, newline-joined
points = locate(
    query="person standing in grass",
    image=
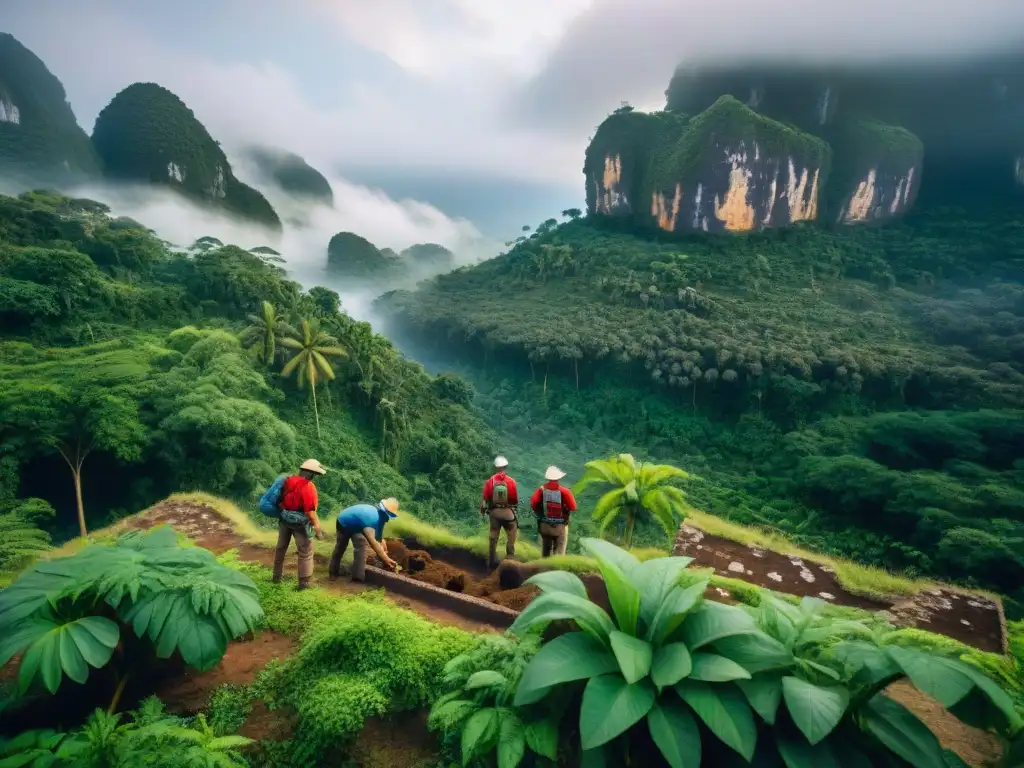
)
(363, 524)
(501, 502)
(552, 503)
(299, 520)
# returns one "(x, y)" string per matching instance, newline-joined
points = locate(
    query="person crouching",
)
(363, 524)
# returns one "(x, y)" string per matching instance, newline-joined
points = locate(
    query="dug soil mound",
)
(972, 619)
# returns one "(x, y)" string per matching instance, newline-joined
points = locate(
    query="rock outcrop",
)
(41, 142)
(292, 173)
(727, 169)
(147, 134)
(352, 257)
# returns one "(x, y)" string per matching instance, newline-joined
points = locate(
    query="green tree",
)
(311, 348)
(641, 487)
(264, 333)
(20, 535)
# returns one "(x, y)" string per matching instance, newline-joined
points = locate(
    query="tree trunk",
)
(76, 473)
(316, 412)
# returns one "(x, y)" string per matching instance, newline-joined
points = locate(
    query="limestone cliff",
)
(40, 139)
(727, 169)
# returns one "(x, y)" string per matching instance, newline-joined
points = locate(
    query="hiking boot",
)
(305, 584)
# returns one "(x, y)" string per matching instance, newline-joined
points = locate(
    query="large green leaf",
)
(605, 550)
(675, 733)
(511, 739)
(623, 596)
(542, 738)
(557, 605)
(633, 654)
(764, 692)
(797, 753)
(940, 678)
(815, 709)
(990, 702)
(899, 729)
(674, 610)
(572, 656)
(712, 668)
(485, 678)
(713, 621)
(559, 581)
(479, 733)
(611, 706)
(725, 712)
(66, 648)
(654, 580)
(671, 664)
(755, 652)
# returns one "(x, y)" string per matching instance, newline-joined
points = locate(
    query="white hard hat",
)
(500, 462)
(554, 473)
(314, 466)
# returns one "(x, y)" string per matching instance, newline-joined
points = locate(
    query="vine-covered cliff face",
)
(727, 169)
(40, 139)
(147, 134)
(962, 125)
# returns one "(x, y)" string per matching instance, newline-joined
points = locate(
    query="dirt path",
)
(971, 619)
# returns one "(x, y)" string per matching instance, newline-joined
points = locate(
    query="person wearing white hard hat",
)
(299, 520)
(501, 503)
(552, 503)
(363, 525)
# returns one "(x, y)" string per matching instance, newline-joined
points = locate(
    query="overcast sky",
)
(481, 107)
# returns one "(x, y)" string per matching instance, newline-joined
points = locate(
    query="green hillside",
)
(170, 367)
(147, 134)
(40, 139)
(859, 389)
(293, 174)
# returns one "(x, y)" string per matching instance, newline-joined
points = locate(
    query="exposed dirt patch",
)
(971, 619)
(270, 725)
(399, 741)
(190, 692)
(975, 747)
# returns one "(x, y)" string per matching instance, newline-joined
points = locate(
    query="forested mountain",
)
(128, 372)
(293, 174)
(40, 139)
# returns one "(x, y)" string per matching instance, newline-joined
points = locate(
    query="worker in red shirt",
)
(552, 503)
(299, 502)
(501, 502)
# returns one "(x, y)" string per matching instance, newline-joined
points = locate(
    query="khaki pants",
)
(303, 543)
(554, 538)
(359, 547)
(502, 517)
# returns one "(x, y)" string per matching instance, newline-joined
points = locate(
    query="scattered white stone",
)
(807, 576)
(774, 576)
(965, 622)
(171, 521)
(826, 569)
(737, 567)
(796, 561)
(700, 546)
(750, 573)
(755, 551)
(722, 592)
(826, 595)
(936, 592)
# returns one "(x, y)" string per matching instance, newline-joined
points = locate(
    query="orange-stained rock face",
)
(610, 196)
(880, 195)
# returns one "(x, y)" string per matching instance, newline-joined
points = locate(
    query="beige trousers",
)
(554, 538)
(303, 543)
(502, 518)
(359, 547)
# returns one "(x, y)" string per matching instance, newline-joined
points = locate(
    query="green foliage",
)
(310, 347)
(265, 333)
(352, 256)
(293, 174)
(45, 142)
(475, 714)
(152, 738)
(67, 615)
(784, 678)
(147, 134)
(20, 536)
(639, 487)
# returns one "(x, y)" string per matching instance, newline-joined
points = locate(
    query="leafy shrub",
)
(67, 615)
(476, 710)
(151, 738)
(813, 681)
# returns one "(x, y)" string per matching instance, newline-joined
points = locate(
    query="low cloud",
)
(626, 50)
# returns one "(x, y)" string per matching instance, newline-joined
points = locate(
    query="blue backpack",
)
(270, 501)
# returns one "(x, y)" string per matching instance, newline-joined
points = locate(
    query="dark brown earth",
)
(398, 741)
(972, 619)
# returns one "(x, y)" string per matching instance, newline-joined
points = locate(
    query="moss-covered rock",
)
(147, 134)
(877, 172)
(727, 169)
(40, 139)
(292, 173)
(354, 257)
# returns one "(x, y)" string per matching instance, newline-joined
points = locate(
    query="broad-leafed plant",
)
(664, 655)
(477, 706)
(68, 615)
(830, 709)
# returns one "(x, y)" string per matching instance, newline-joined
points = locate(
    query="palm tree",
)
(311, 348)
(264, 333)
(640, 488)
